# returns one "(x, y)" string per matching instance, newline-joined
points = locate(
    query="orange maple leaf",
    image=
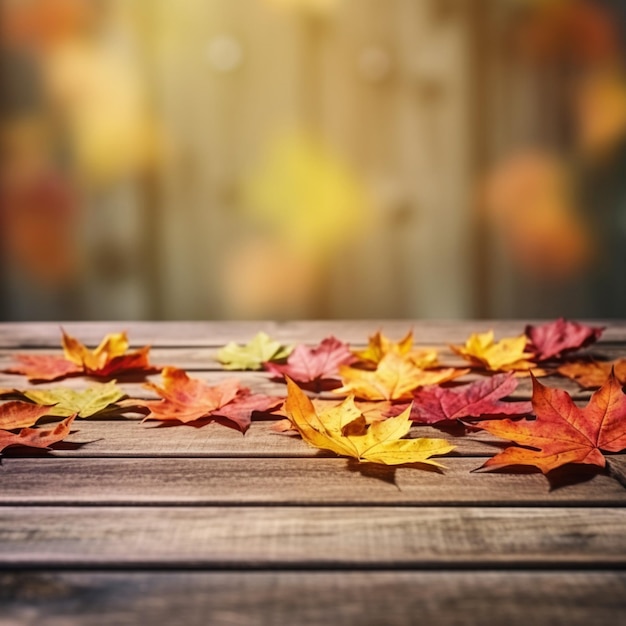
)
(592, 374)
(563, 433)
(110, 358)
(185, 400)
(36, 437)
(18, 414)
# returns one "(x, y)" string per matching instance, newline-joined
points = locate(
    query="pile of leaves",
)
(360, 403)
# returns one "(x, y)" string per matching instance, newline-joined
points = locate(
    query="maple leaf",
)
(562, 432)
(315, 367)
(186, 400)
(259, 350)
(506, 355)
(109, 358)
(43, 367)
(591, 374)
(432, 405)
(394, 378)
(86, 403)
(555, 339)
(17, 414)
(342, 430)
(379, 345)
(36, 437)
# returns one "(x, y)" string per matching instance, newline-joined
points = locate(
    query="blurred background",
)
(208, 159)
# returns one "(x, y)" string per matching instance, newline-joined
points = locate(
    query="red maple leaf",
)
(435, 404)
(185, 400)
(316, 367)
(36, 437)
(555, 339)
(563, 433)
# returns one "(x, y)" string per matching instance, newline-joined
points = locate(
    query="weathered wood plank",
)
(311, 538)
(185, 481)
(311, 598)
(261, 382)
(216, 333)
(205, 358)
(131, 438)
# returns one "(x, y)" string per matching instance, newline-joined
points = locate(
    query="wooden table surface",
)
(184, 525)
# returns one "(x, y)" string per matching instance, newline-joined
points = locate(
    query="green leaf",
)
(252, 355)
(85, 403)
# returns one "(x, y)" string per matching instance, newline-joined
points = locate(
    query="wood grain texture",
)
(216, 333)
(261, 382)
(311, 538)
(445, 598)
(131, 438)
(185, 481)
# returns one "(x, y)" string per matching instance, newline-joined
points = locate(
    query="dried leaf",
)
(591, 374)
(379, 345)
(86, 403)
(186, 400)
(560, 337)
(563, 433)
(314, 366)
(109, 358)
(17, 414)
(394, 378)
(36, 437)
(506, 355)
(259, 350)
(433, 405)
(342, 430)
(43, 367)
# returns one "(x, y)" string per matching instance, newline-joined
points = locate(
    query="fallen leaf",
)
(259, 350)
(342, 430)
(86, 403)
(555, 339)
(379, 345)
(591, 374)
(562, 432)
(186, 400)
(394, 378)
(314, 366)
(109, 358)
(17, 414)
(433, 405)
(43, 367)
(36, 437)
(506, 355)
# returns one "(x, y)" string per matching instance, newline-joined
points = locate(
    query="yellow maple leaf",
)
(342, 429)
(394, 378)
(506, 355)
(109, 357)
(111, 346)
(379, 345)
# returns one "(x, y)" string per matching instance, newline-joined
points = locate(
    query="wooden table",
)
(184, 525)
